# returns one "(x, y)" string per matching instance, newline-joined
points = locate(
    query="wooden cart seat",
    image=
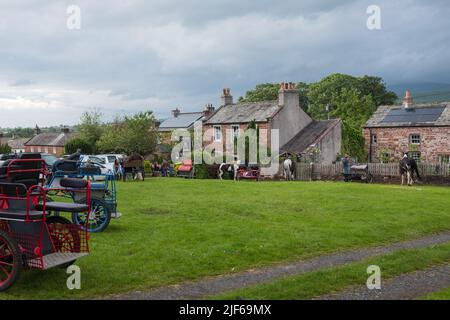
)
(20, 215)
(62, 207)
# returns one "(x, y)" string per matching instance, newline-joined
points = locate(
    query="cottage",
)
(422, 131)
(52, 143)
(181, 120)
(17, 145)
(298, 133)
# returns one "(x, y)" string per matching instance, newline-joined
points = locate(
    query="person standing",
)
(346, 167)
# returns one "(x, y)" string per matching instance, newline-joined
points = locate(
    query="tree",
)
(5, 148)
(91, 128)
(132, 134)
(73, 145)
(351, 99)
(321, 94)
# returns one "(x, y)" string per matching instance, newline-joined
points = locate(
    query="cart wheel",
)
(64, 240)
(10, 261)
(99, 217)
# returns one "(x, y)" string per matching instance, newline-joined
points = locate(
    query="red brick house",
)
(52, 143)
(298, 133)
(421, 130)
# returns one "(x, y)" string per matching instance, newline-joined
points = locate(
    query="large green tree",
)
(352, 99)
(132, 134)
(91, 128)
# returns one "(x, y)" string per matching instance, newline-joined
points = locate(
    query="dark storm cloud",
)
(133, 55)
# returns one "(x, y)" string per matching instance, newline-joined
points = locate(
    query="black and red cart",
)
(29, 237)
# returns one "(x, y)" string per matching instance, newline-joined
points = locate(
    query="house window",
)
(444, 158)
(46, 149)
(217, 133)
(39, 149)
(414, 139)
(235, 131)
(415, 155)
(54, 150)
(374, 139)
(31, 149)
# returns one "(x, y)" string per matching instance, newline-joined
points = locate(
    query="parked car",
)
(110, 159)
(100, 162)
(49, 159)
(6, 156)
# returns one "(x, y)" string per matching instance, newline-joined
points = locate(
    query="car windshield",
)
(111, 159)
(97, 160)
(49, 159)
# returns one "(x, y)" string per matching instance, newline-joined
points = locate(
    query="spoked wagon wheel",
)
(10, 261)
(99, 217)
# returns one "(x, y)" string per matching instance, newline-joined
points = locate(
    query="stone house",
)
(181, 120)
(52, 143)
(422, 131)
(17, 145)
(298, 133)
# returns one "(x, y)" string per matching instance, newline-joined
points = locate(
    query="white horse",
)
(288, 170)
(234, 167)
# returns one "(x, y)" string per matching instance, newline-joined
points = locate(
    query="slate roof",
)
(18, 143)
(57, 139)
(244, 112)
(419, 115)
(182, 121)
(309, 136)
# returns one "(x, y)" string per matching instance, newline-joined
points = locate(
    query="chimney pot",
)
(408, 100)
(227, 98)
(176, 113)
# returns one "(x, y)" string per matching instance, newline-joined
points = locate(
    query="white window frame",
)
(217, 137)
(413, 138)
(235, 134)
(413, 155)
(39, 149)
(54, 150)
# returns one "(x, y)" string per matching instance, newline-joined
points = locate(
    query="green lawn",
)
(310, 285)
(177, 230)
(443, 295)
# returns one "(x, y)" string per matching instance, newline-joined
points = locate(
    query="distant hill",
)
(423, 92)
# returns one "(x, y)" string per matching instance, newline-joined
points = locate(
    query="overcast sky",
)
(160, 54)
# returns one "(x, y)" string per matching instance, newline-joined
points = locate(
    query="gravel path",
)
(406, 287)
(219, 284)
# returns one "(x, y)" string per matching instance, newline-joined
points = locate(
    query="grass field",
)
(310, 285)
(177, 230)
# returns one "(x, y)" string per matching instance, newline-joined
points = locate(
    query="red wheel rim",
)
(6, 261)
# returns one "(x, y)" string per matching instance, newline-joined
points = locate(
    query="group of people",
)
(165, 169)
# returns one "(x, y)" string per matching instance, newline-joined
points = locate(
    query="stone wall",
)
(435, 141)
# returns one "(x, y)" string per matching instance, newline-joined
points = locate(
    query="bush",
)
(204, 171)
(4, 148)
(73, 145)
(147, 166)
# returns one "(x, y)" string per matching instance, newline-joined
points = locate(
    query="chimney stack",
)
(408, 100)
(65, 129)
(176, 113)
(209, 109)
(288, 94)
(226, 98)
(37, 130)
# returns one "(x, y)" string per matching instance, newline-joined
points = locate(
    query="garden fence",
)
(307, 172)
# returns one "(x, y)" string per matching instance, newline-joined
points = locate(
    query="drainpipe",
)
(370, 146)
